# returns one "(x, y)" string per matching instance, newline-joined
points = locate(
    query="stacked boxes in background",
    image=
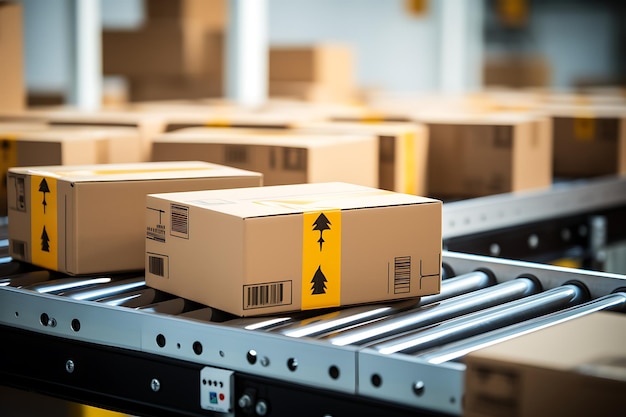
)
(176, 54)
(12, 88)
(282, 156)
(87, 219)
(286, 248)
(323, 72)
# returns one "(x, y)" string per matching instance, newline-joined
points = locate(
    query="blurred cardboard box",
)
(212, 14)
(317, 72)
(474, 155)
(402, 151)
(294, 247)
(89, 219)
(12, 86)
(282, 156)
(589, 140)
(577, 368)
(148, 124)
(36, 145)
(516, 71)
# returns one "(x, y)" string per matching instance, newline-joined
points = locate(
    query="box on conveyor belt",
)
(36, 144)
(87, 219)
(282, 156)
(402, 151)
(576, 368)
(589, 140)
(473, 155)
(265, 250)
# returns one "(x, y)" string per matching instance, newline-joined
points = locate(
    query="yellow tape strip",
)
(8, 158)
(321, 259)
(44, 231)
(409, 163)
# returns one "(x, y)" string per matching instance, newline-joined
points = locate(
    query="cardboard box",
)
(574, 368)
(402, 151)
(213, 14)
(148, 124)
(283, 157)
(12, 86)
(37, 145)
(89, 219)
(516, 71)
(589, 140)
(475, 155)
(326, 66)
(294, 247)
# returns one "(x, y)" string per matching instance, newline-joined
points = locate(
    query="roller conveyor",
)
(138, 350)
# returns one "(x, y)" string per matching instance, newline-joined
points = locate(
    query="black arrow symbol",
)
(43, 187)
(45, 241)
(321, 223)
(319, 282)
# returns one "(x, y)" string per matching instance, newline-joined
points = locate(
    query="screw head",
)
(418, 388)
(261, 408)
(155, 385)
(69, 366)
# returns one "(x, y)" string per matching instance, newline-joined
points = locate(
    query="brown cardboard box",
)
(213, 14)
(293, 247)
(571, 369)
(403, 150)
(282, 156)
(326, 66)
(148, 124)
(13, 91)
(589, 140)
(88, 219)
(36, 145)
(472, 155)
(516, 71)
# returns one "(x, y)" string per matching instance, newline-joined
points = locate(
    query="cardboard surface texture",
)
(257, 251)
(282, 156)
(12, 86)
(88, 219)
(576, 368)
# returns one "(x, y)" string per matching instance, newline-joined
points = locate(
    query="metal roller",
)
(56, 286)
(366, 314)
(436, 312)
(485, 320)
(25, 279)
(453, 351)
(132, 299)
(112, 288)
(175, 306)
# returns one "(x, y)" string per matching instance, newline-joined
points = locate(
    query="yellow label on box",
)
(8, 158)
(584, 128)
(409, 163)
(321, 259)
(217, 123)
(44, 231)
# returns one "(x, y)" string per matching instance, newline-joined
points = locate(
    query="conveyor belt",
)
(402, 357)
(113, 342)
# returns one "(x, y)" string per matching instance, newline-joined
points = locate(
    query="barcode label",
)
(402, 275)
(179, 217)
(18, 249)
(267, 295)
(158, 265)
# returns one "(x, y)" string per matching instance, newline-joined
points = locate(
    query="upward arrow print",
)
(45, 241)
(321, 223)
(43, 187)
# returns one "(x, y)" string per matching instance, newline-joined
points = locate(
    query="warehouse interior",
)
(312, 207)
